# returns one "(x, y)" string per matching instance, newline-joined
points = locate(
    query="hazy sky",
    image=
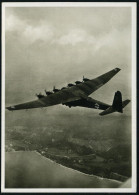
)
(55, 46)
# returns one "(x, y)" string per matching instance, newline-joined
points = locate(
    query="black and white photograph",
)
(68, 97)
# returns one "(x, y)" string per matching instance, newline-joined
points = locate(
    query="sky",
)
(49, 46)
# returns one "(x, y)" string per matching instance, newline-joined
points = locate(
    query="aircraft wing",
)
(51, 100)
(77, 92)
(90, 86)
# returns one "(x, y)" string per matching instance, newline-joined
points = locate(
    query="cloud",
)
(42, 32)
(13, 23)
(30, 33)
(74, 37)
(114, 40)
(27, 32)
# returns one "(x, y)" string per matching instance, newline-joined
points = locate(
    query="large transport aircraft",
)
(77, 95)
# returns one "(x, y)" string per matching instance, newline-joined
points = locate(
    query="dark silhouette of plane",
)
(77, 95)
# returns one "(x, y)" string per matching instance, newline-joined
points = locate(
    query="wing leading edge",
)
(90, 86)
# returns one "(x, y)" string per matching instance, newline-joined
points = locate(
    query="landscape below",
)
(92, 151)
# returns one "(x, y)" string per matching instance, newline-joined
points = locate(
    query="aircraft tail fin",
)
(117, 102)
(117, 105)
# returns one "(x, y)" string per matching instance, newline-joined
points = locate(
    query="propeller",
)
(85, 79)
(45, 90)
(53, 88)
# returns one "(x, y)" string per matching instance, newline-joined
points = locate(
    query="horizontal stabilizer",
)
(107, 111)
(125, 102)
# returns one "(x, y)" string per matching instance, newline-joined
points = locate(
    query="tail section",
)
(117, 105)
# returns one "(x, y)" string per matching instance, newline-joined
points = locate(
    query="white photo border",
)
(134, 103)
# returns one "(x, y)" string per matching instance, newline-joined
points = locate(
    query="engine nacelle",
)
(78, 82)
(70, 85)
